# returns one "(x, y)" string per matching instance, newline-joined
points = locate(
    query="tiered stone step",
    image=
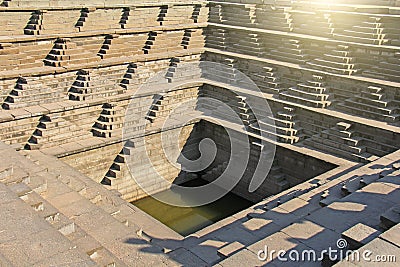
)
(311, 22)
(163, 42)
(312, 93)
(200, 13)
(28, 204)
(130, 74)
(15, 57)
(168, 104)
(226, 73)
(54, 130)
(237, 106)
(285, 127)
(361, 29)
(16, 134)
(176, 15)
(243, 109)
(216, 38)
(90, 85)
(277, 180)
(65, 52)
(118, 169)
(215, 13)
(265, 78)
(389, 69)
(139, 17)
(52, 22)
(183, 69)
(80, 87)
(193, 38)
(92, 19)
(122, 45)
(110, 120)
(48, 191)
(138, 73)
(341, 140)
(278, 18)
(126, 180)
(90, 44)
(339, 61)
(246, 43)
(239, 15)
(172, 69)
(287, 50)
(13, 22)
(30, 92)
(372, 103)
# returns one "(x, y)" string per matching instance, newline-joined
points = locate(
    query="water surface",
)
(185, 220)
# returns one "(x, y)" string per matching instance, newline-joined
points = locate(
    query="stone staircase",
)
(265, 77)
(372, 103)
(278, 18)
(311, 22)
(216, 38)
(90, 85)
(243, 109)
(92, 19)
(367, 30)
(54, 130)
(65, 52)
(246, 43)
(276, 180)
(215, 13)
(339, 60)
(157, 108)
(162, 42)
(118, 168)
(172, 69)
(14, 57)
(122, 45)
(130, 77)
(183, 69)
(168, 104)
(29, 92)
(81, 87)
(193, 38)
(54, 22)
(285, 126)
(110, 121)
(35, 23)
(176, 15)
(138, 16)
(239, 15)
(287, 50)
(72, 234)
(312, 93)
(229, 73)
(199, 14)
(341, 140)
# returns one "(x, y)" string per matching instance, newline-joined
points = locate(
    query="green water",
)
(189, 220)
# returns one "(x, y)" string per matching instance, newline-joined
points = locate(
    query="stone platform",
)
(70, 71)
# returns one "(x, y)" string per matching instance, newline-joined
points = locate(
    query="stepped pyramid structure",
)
(107, 103)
